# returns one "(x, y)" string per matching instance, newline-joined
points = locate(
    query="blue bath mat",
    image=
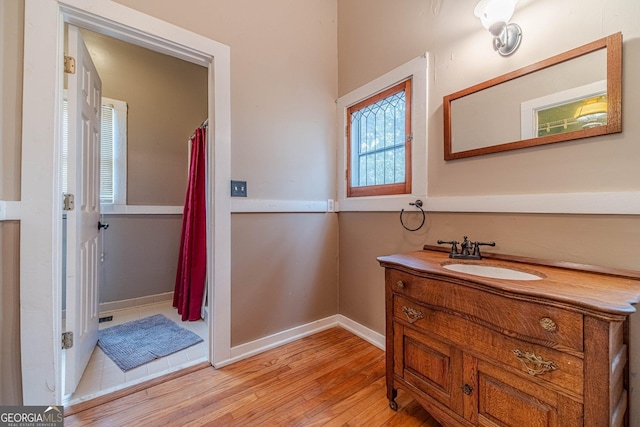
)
(138, 342)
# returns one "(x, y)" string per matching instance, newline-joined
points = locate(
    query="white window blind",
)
(113, 148)
(65, 145)
(106, 155)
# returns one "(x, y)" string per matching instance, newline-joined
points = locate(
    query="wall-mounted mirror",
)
(576, 94)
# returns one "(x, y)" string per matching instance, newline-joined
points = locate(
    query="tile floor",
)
(102, 376)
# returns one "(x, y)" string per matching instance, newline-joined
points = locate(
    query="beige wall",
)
(461, 55)
(284, 271)
(140, 256)
(167, 100)
(11, 28)
(283, 88)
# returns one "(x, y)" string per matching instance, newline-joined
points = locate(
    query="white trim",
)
(41, 228)
(417, 69)
(104, 392)
(381, 204)
(241, 205)
(363, 332)
(261, 345)
(108, 209)
(614, 203)
(9, 210)
(120, 111)
(134, 302)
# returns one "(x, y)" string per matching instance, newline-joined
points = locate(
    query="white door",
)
(84, 103)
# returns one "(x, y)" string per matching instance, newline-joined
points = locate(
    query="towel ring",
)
(417, 204)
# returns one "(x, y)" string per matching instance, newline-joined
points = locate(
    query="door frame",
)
(41, 203)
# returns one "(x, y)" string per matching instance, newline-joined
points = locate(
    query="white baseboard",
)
(252, 348)
(363, 332)
(135, 302)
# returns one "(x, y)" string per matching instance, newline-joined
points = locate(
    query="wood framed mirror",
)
(576, 94)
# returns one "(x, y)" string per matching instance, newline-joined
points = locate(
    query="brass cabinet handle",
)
(548, 324)
(400, 284)
(534, 365)
(412, 314)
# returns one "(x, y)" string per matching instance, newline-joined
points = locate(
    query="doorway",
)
(151, 103)
(40, 283)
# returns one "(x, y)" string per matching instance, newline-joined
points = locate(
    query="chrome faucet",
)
(469, 250)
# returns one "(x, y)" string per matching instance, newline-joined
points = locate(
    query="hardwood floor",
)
(332, 378)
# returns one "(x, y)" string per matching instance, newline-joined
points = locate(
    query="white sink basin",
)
(491, 271)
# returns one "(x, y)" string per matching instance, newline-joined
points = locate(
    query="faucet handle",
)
(476, 247)
(454, 247)
(443, 242)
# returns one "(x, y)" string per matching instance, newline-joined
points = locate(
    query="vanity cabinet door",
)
(433, 367)
(500, 398)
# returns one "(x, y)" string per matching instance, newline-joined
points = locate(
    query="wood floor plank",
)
(331, 378)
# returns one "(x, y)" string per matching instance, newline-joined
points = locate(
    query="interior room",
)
(299, 254)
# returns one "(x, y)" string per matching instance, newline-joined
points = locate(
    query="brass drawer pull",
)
(534, 365)
(400, 284)
(412, 314)
(548, 324)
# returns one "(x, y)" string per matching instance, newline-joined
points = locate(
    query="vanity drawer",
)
(549, 326)
(548, 365)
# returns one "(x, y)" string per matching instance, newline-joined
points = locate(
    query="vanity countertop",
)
(609, 292)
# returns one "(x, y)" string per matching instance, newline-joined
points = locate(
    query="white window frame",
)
(529, 109)
(119, 154)
(417, 70)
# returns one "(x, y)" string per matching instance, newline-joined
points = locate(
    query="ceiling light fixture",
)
(592, 112)
(495, 16)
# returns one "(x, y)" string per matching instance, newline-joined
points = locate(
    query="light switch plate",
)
(238, 188)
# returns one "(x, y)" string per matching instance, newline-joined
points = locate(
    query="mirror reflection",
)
(569, 96)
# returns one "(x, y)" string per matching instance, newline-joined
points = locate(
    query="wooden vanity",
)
(485, 351)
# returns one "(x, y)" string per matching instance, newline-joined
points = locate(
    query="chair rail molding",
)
(9, 210)
(597, 203)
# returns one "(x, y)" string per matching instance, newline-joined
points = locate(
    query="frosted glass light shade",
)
(495, 14)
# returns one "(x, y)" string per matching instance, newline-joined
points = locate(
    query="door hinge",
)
(346, 131)
(67, 340)
(409, 138)
(69, 64)
(346, 174)
(68, 202)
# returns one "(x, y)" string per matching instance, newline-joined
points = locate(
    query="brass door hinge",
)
(68, 203)
(69, 64)
(67, 340)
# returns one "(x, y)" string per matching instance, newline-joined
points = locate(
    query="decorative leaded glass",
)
(378, 138)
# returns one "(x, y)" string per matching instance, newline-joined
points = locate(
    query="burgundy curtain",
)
(192, 260)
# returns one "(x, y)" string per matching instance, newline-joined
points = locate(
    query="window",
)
(379, 143)
(113, 151)
(383, 150)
